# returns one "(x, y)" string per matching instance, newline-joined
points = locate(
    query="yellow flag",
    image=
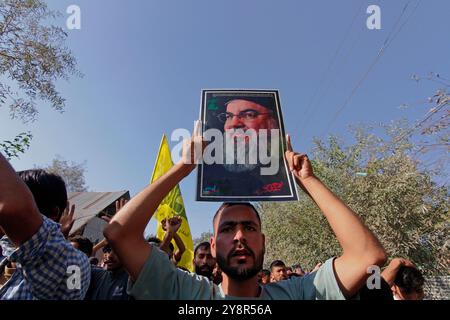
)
(173, 205)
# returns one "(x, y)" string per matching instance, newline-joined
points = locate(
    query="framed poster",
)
(245, 144)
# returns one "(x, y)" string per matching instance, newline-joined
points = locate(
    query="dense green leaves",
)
(401, 204)
(33, 56)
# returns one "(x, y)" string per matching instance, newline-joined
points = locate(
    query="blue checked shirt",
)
(48, 267)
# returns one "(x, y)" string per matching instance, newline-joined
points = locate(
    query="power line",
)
(330, 66)
(387, 43)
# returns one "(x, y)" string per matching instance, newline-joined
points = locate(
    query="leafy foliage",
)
(380, 180)
(33, 56)
(18, 145)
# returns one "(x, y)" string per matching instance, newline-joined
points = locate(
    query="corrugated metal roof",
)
(90, 204)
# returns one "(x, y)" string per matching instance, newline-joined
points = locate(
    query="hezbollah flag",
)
(173, 205)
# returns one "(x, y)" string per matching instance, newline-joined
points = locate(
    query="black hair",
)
(265, 272)
(267, 102)
(409, 279)
(85, 245)
(205, 245)
(107, 248)
(154, 240)
(48, 189)
(277, 263)
(232, 204)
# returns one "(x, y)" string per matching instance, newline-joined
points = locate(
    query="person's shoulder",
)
(283, 290)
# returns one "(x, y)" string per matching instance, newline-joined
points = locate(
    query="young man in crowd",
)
(83, 244)
(204, 262)
(46, 265)
(109, 283)
(278, 271)
(239, 245)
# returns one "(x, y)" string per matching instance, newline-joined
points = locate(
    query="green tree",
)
(13, 148)
(33, 56)
(204, 237)
(380, 180)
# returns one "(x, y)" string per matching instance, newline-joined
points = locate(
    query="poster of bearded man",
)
(245, 144)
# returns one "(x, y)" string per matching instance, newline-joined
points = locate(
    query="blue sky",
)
(145, 63)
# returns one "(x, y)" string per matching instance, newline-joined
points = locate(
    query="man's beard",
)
(241, 160)
(202, 272)
(238, 273)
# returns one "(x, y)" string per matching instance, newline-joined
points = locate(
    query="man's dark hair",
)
(84, 244)
(297, 266)
(107, 248)
(409, 279)
(265, 272)
(277, 263)
(267, 102)
(48, 189)
(232, 204)
(205, 245)
(154, 240)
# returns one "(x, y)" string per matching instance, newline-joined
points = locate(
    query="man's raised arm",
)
(125, 232)
(19, 216)
(360, 247)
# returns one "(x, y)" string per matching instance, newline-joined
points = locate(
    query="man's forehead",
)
(237, 214)
(203, 250)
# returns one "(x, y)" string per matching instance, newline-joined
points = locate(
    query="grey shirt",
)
(160, 279)
(108, 285)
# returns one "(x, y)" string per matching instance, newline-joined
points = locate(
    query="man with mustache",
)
(278, 271)
(241, 116)
(239, 245)
(204, 262)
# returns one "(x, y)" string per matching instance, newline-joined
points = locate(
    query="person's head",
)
(264, 276)
(204, 262)
(298, 270)
(110, 259)
(249, 113)
(278, 271)
(49, 192)
(238, 243)
(93, 261)
(83, 244)
(408, 284)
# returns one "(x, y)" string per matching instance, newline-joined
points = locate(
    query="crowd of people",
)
(40, 261)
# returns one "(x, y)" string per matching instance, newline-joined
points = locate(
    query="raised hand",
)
(299, 164)
(193, 148)
(173, 224)
(67, 219)
(119, 205)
